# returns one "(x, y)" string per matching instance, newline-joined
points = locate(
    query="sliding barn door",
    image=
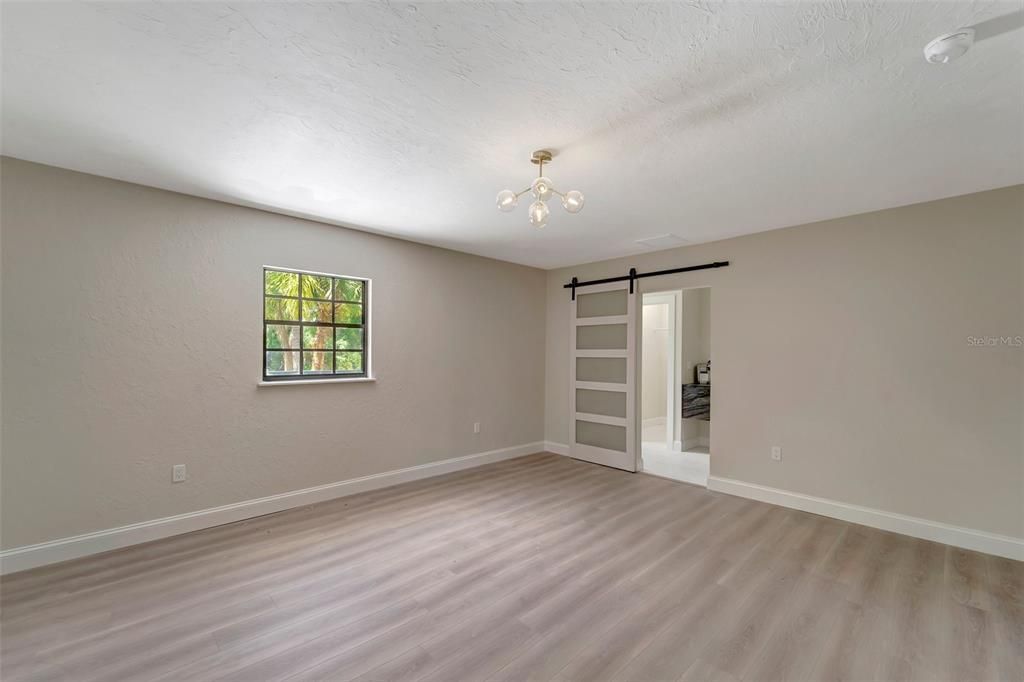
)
(601, 380)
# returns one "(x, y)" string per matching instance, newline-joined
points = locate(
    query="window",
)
(315, 326)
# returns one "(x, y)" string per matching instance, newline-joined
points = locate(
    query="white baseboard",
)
(31, 556)
(557, 448)
(980, 541)
(699, 442)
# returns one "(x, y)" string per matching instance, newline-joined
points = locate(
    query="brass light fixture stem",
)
(540, 157)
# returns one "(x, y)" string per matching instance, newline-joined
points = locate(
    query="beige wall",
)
(131, 332)
(131, 323)
(846, 343)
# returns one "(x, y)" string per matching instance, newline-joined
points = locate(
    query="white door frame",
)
(677, 293)
(621, 460)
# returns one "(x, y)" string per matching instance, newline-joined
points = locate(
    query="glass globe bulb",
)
(538, 214)
(573, 201)
(541, 188)
(507, 200)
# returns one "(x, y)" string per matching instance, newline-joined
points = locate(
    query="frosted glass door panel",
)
(607, 403)
(601, 435)
(602, 304)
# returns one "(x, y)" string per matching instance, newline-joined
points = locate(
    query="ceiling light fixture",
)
(542, 190)
(948, 47)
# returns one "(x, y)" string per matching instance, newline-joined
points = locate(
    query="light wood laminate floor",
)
(540, 568)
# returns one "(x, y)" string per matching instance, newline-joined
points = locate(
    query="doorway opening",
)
(675, 395)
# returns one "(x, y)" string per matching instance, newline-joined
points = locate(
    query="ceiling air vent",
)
(662, 241)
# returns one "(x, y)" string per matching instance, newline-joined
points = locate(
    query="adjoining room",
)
(504, 341)
(676, 378)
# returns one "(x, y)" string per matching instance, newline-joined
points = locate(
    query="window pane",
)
(280, 283)
(281, 363)
(317, 337)
(316, 362)
(315, 286)
(281, 309)
(348, 313)
(348, 290)
(282, 336)
(348, 362)
(348, 338)
(314, 311)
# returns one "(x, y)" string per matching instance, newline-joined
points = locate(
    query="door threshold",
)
(674, 480)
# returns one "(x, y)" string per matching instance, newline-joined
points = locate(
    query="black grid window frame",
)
(334, 325)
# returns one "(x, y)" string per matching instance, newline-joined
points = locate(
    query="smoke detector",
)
(946, 48)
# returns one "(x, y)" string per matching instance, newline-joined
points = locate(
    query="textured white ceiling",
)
(699, 119)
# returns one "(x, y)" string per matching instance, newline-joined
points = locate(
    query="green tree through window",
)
(314, 325)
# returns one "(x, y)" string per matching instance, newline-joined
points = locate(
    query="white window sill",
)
(307, 382)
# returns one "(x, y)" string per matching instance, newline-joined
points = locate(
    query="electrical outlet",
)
(178, 473)
(776, 453)
(476, 427)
